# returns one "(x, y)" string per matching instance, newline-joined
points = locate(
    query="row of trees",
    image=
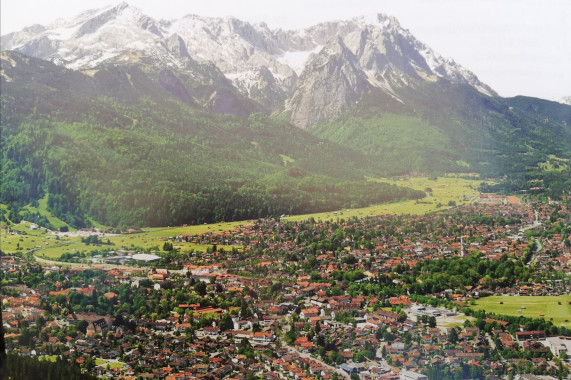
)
(29, 368)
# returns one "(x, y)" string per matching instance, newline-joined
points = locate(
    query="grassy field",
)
(444, 190)
(42, 209)
(454, 321)
(554, 307)
(48, 246)
(32, 238)
(109, 364)
(51, 247)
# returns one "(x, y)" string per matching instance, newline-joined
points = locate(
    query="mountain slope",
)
(446, 127)
(101, 150)
(176, 109)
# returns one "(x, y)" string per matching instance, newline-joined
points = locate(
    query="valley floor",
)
(434, 293)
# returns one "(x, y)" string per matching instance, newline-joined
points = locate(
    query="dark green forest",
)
(28, 368)
(156, 162)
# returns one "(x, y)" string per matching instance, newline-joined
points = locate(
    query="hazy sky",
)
(518, 47)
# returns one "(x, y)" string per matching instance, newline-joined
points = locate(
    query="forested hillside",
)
(135, 159)
(446, 127)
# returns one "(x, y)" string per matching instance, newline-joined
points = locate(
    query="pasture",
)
(443, 191)
(556, 307)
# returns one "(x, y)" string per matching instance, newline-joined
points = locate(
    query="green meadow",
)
(444, 190)
(555, 308)
(108, 364)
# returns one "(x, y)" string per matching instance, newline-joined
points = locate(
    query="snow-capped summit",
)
(565, 100)
(266, 65)
(92, 38)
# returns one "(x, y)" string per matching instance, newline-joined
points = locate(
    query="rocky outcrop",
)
(331, 83)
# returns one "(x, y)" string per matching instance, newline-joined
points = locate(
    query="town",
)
(383, 297)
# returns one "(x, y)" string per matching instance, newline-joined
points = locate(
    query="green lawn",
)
(530, 306)
(454, 321)
(106, 363)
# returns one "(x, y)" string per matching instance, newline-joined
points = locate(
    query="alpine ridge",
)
(278, 70)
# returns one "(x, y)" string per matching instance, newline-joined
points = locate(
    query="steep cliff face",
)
(381, 56)
(331, 83)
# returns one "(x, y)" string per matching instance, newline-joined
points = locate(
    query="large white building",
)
(145, 257)
(410, 375)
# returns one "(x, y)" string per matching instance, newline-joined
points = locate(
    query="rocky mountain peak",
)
(275, 68)
(329, 84)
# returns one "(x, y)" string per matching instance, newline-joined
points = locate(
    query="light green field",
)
(69, 245)
(42, 209)
(444, 190)
(9, 243)
(108, 364)
(49, 247)
(534, 305)
(151, 237)
(454, 321)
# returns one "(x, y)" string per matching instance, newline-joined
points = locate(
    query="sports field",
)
(548, 307)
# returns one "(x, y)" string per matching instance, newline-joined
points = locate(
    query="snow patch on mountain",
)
(298, 59)
(263, 64)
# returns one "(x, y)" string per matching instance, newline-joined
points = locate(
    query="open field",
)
(556, 307)
(444, 190)
(453, 321)
(110, 364)
(32, 238)
(50, 246)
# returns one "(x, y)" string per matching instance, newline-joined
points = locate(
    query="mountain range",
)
(279, 70)
(358, 97)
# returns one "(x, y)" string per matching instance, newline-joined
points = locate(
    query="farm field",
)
(50, 246)
(444, 190)
(556, 307)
